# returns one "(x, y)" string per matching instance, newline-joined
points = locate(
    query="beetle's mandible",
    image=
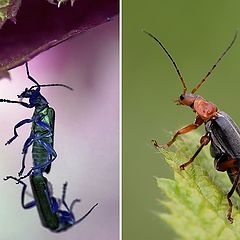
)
(221, 131)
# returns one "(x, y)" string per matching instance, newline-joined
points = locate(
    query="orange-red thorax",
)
(204, 109)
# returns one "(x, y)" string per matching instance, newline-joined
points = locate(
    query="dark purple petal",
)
(41, 25)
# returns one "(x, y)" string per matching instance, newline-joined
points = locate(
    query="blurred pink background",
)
(86, 136)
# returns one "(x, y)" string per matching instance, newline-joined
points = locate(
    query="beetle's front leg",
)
(21, 123)
(181, 131)
(203, 141)
(19, 102)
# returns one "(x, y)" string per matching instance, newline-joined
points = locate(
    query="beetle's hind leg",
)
(234, 186)
(27, 144)
(63, 201)
(24, 192)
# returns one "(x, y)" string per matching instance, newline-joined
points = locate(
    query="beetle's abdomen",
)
(39, 154)
(43, 130)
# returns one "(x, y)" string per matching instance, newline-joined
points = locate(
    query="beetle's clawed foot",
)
(6, 178)
(229, 215)
(182, 167)
(20, 173)
(157, 146)
(11, 177)
(10, 140)
(230, 219)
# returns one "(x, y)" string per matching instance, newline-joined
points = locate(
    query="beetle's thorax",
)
(38, 101)
(204, 109)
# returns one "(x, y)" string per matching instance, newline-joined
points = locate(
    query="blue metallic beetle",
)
(49, 207)
(42, 133)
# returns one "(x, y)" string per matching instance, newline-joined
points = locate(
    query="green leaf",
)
(196, 198)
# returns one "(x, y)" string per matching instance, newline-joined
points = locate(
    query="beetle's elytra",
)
(221, 131)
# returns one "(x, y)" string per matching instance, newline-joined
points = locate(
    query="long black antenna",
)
(214, 66)
(45, 85)
(173, 62)
(86, 214)
(30, 77)
(53, 85)
(56, 85)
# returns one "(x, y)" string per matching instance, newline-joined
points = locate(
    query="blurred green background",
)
(195, 33)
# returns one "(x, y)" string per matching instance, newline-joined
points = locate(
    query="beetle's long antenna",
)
(56, 85)
(214, 66)
(86, 214)
(30, 77)
(45, 85)
(53, 85)
(173, 62)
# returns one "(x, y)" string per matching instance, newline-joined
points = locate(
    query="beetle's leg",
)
(63, 196)
(232, 174)
(26, 175)
(19, 102)
(47, 146)
(203, 141)
(234, 186)
(51, 153)
(42, 166)
(69, 209)
(49, 149)
(44, 125)
(27, 144)
(65, 215)
(223, 163)
(73, 203)
(24, 205)
(15, 129)
(181, 131)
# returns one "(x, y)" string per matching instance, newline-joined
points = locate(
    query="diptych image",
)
(119, 120)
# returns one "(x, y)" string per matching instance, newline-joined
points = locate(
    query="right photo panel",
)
(181, 136)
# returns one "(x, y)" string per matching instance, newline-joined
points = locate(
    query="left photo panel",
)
(59, 100)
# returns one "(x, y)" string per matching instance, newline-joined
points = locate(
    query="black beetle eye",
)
(181, 97)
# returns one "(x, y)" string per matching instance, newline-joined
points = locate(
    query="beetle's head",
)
(187, 99)
(66, 220)
(27, 93)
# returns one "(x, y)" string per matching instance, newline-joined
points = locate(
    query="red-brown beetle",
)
(221, 130)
